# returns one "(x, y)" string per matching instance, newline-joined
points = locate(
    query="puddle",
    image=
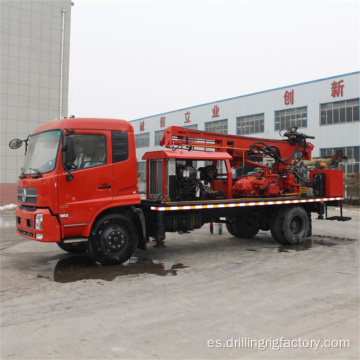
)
(336, 239)
(77, 268)
(315, 241)
(297, 247)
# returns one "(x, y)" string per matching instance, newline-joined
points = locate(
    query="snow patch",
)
(8, 207)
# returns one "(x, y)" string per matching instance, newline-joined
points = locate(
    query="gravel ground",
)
(203, 296)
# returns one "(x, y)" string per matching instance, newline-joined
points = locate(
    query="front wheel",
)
(113, 240)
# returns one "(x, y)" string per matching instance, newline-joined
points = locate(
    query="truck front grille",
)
(27, 195)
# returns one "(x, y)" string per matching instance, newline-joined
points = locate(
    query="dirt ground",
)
(202, 297)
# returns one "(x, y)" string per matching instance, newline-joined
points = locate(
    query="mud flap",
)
(140, 222)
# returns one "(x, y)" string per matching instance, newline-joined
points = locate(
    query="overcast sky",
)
(131, 59)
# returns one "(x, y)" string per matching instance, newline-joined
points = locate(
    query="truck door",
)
(91, 187)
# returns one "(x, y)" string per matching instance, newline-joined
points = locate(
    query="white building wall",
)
(30, 52)
(310, 94)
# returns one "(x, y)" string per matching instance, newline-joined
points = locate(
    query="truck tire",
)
(296, 225)
(276, 227)
(73, 248)
(243, 229)
(113, 239)
(290, 226)
(231, 229)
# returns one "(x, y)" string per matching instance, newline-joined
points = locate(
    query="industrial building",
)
(35, 47)
(326, 108)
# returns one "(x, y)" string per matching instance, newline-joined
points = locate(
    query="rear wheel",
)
(276, 227)
(290, 225)
(244, 228)
(73, 248)
(113, 240)
(232, 229)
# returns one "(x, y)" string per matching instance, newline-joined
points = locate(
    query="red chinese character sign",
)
(187, 117)
(215, 111)
(289, 97)
(142, 125)
(162, 121)
(337, 88)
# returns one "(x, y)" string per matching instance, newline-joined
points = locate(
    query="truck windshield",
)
(42, 152)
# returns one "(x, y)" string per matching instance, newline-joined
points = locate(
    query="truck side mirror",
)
(15, 144)
(67, 150)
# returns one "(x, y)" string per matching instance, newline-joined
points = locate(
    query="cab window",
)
(89, 151)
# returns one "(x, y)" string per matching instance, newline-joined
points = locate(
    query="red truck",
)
(79, 188)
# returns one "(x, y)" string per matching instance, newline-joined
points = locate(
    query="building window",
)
(141, 168)
(351, 164)
(285, 119)
(142, 140)
(191, 127)
(158, 136)
(339, 112)
(250, 124)
(219, 126)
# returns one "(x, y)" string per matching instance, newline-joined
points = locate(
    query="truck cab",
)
(75, 171)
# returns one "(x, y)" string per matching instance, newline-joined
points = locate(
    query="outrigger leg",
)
(338, 218)
(160, 230)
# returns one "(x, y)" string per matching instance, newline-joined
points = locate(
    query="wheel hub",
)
(113, 239)
(296, 225)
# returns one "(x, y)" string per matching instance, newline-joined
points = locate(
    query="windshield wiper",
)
(38, 173)
(22, 175)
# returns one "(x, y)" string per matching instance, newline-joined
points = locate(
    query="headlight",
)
(38, 221)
